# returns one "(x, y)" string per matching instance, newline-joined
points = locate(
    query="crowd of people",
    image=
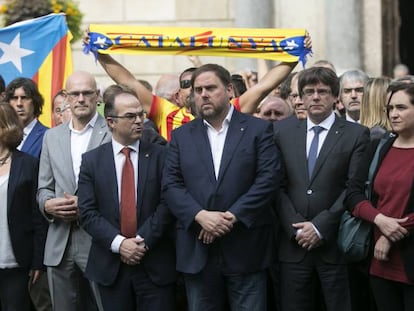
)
(211, 191)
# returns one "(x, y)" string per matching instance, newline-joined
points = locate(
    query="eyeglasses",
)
(23, 98)
(320, 92)
(131, 117)
(359, 90)
(185, 84)
(75, 95)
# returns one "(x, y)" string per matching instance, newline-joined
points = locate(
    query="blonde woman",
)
(373, 108)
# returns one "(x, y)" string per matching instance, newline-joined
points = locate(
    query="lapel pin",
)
(146, 155)
(242, 129)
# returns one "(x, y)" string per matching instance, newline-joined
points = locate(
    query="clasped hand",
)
(132, 250)
(214, 224)
(65, 208)
(306, 236)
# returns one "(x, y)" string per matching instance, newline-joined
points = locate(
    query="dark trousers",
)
(14, 293)
(212, 290)
(300, 289)
(133, 290)
(391, 295)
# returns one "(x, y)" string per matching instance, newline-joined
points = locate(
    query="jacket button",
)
(309, 191)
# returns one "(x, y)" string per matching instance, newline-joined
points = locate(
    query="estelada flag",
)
(38, 49)
(286, 45)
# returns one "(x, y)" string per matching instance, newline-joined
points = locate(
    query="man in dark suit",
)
(320, 154)
(220, 179)
(24, 96)
(135, 270)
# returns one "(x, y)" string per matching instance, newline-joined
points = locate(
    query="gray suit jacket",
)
(56, 177)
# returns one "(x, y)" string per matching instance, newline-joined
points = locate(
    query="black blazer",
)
(356, 194)
(26, 225)
(100, 217)
(317, 198)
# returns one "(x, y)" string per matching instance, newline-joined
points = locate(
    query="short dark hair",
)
(111, 93)
(31, 90)
(188, 70)
(11, 128)
(222, 73)
(239, 85)
(316, 75)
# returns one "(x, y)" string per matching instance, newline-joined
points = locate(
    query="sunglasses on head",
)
(185, 84)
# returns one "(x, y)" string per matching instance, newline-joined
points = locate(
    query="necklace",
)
(3, 160)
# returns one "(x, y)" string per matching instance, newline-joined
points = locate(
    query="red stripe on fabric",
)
(170, 123)
(58, 67)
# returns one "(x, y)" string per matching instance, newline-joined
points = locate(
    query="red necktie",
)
(128, 192)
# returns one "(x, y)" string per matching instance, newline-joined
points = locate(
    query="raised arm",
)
(250, 99)
(121, 75)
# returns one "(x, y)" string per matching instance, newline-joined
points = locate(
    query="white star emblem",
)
(100, 41)
(290, 45)
(14, 53)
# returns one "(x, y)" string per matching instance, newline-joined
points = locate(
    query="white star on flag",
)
(290, 45)
(14, 53)
(100, 41)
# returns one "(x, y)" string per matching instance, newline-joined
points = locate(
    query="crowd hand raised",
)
(206, 237)
(65, 208)
(382, 248)
(391, 227)
(132, 250)
(214, 222)
(306, 236)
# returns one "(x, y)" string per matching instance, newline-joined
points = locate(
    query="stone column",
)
(343, 34)
(252, 14)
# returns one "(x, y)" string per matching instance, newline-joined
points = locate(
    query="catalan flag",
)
(38, 49)
(285, 45)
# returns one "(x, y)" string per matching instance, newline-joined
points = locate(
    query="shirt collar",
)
(90, 124)
(28, 128)
(326, 124)
(226, 119)
(117, 147)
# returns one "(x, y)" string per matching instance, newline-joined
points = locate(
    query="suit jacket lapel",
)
(143, 164)
(202, 144)
(15, 171)
(66, 155)
(236, 130)
(99, 133)
(331, 140)
(109, 176)
(300, 141)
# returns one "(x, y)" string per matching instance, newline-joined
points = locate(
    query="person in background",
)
(22, 229)
(274, 108)
(400, 71)
(57, 102)
(23, 95)
(391, 207)
(296, 100)
(373, 107)
(351, 92)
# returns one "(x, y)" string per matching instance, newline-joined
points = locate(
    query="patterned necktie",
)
(128, 192)
(313, 150)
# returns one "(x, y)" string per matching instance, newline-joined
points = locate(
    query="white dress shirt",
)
(26, 131)
(217, 140)
(119, 158)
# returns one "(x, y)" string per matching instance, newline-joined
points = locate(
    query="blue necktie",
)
(313, 150)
